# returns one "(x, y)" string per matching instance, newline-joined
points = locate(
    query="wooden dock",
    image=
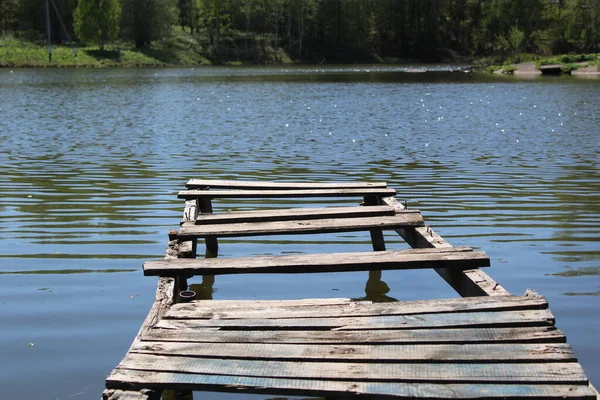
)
(487, 344)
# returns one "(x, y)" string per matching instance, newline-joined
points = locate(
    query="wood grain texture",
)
(269, 194)
(418, 321)
(346, 389)
(535, 334)
(190, 230)
(287, 309)
(262, 185)
(567, 372)
(369, 353)
(462, 258)
(291, 214)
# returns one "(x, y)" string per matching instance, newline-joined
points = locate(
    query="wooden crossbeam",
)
(460, 258)
(467, 283)
(256, 185)
(191, 230)
(295, 214)
(269, 194)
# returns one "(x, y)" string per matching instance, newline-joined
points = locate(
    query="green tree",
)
(147, 20)
(97, 20)
(8, 15)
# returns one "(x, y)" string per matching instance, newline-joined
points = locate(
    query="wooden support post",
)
(377, 240)
(212, 246)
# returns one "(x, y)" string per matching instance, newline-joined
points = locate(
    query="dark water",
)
(91, 160)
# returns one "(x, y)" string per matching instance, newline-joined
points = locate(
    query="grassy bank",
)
(180, 49)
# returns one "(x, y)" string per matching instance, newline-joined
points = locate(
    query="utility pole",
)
(48, 31)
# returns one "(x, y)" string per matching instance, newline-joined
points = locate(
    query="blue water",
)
(91, 160)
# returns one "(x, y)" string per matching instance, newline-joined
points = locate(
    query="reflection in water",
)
(376, 290)
(204, 290)
(583, 271)
(67, 271)
(597, 293)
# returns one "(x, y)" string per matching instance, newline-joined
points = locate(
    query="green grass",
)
(508, 69)
(180, 49)
(19, 53)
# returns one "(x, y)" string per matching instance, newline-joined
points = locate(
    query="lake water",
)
(91, 161)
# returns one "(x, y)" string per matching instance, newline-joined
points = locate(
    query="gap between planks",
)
(290, 214)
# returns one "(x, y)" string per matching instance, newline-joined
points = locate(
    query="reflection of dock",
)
(487, 344)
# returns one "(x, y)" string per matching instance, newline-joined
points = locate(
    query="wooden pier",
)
(487, 344)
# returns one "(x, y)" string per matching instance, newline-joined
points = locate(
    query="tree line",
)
(306, 29)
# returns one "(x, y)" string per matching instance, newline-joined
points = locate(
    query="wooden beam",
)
(467, 283)
(190, 230)
(269, 194)
(262, 185)
(212, 245)
(459, 258)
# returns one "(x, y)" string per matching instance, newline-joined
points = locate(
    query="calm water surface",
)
(91, 160)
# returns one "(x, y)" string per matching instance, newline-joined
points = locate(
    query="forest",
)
(315, 30)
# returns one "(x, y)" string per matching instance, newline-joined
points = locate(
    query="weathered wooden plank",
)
(262, 185)
(268, 194)
(282, 309)
(406, 336)
(140, 394)
(190, 230)
(568, 372)
(467, 283)
(309, 263)
(269, 303)
(444, 353)
(345, 389)
(418, 321)
(291, 214)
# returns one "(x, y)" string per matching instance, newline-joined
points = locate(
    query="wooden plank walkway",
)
(491, 346)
